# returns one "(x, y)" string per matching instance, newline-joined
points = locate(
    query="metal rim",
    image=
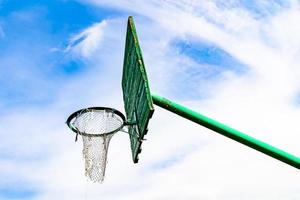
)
(84, 110)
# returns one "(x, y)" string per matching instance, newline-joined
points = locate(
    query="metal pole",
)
(227, 131)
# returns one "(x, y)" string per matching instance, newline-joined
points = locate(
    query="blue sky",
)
(32, 70)
(32, 30)
(229, 60)
(36, 33)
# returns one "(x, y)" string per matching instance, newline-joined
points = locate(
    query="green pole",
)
(227, 131)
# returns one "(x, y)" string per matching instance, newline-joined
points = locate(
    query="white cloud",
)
(205, 164)
(86, 42)
(258, 102)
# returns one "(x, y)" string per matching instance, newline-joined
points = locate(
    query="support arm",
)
(227, 131)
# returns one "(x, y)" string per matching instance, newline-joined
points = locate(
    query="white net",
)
(95, 155)
(94, 125)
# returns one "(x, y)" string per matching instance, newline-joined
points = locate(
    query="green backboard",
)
(136, 93)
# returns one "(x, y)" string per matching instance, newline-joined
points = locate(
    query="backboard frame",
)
(136, 92)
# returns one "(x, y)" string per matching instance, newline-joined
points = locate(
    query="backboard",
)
(136, 93)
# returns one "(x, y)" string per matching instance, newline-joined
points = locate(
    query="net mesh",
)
(94, 125)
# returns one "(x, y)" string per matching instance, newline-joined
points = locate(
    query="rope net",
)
(95, 155)
(94, 125)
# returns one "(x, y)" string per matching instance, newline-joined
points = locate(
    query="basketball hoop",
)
(96, 125)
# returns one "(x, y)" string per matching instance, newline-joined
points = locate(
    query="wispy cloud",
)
(88, 41)
(182, 41)
(246, 35)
